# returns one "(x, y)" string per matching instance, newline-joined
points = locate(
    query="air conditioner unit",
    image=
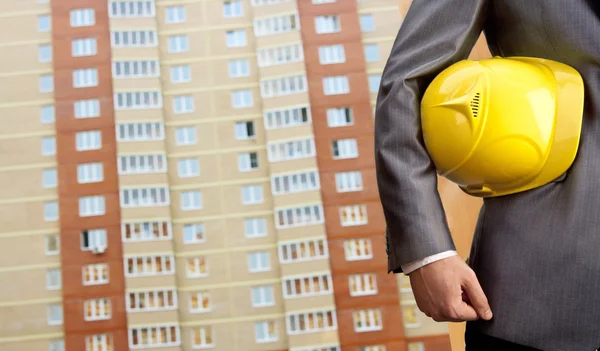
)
(100, 249)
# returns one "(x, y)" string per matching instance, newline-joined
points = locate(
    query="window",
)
(183, 104)
(146, 231)
(142, 164)
(96, 309)
(311, 322)
(283, 86)
(244, 130)
(202, 337)
(371, 52)
(410, 316)
(138, 100)
(53, 279)
(181, 74)
(46, 83)
(131, 8)
(353, 215)
(301, 251)
(87, 108)
(145, 131)
(362, 284)
(185, 136)
(405, 286)
(175, 14)
(44, 23)
(236, 38)
(145, 197)
(374, 82)
(99, 342)
(339, 117)
(327, 24)
(134, 38)
(154, 336)
(143, 266)
(366, 23)
(197, 267)
(188, 167)
(49, 178)
(93, 238)
(242, 98)
(321, 348)
(95, 274)
(57, 345)
(248, 161)
(45, 53)
(298, 216)
(90, 140)
(285, 118)
(84, 47)
(276, 25)
(348, 181)
(345, 148)
(316, 2)
(262, 296)
(51, 211)
(259, 262)
(83, 17)
(291, 150)
(191, 200)
(200, 302)
(136, 69)
(332, 54)
(154, 300)
(255, 227)
(178, 43)
(90, 172)
(193, 233)
(233, 8)
(55, 314)
(358, 249)
(84, 78)
(307, 286)
(239, 68)
(252, 194)
(47, 114)
(336, 85)
(415, 346)
(52, 245)
(294, 182)
(256, 3)
(265, 332)
(279, 55)
(367, 320)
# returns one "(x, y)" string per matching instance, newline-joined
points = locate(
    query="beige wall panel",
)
(126, 116)
(25, 250)
(16, 217)
(220, 300)
(21, 58)
(293, 165)
(236, 237)
(274, 9)
(26, 320)
(141, 147)
(217, 45)
(119, 54)
(24, 6)
(130, 84)
(220, 71)
(23, 27)
(223, 105)
(139, 248)
(146, 212)
(289, 132)
(24, 183)
(215, 17)
(279, 102)
(306, 340)
(35, 345)
(366, 5)
(230, 169)
(132, 180)
(24, 119)
(197, 46)
(247, 341)
(282, 70)
(209, 170)
(215, 238)
(26, 285)
(129, 24)
(304, 268)
(307, 303)
(205, 139)
(297, 198)
(278, 39)
(24, 87)
(227, 136)
(387, 24)
(385, 47)
(141, 318)
(240, 266)
(301, 232)
(232, 196)
(150, 283)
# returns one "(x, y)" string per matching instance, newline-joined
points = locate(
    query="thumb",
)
(477, 297)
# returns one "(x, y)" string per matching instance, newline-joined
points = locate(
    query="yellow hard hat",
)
(503, 125)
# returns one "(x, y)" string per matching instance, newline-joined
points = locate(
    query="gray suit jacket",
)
(537, 254)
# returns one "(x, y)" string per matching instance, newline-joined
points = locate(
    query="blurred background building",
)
(198, 174)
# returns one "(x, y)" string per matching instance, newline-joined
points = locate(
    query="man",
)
(536, 254)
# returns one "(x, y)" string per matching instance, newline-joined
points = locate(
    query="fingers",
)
(477, 297)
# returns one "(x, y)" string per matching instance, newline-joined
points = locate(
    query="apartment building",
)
(196, 174)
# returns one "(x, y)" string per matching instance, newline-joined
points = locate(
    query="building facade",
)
(196, 174)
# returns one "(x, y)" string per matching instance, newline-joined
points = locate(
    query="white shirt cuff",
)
(413, 266)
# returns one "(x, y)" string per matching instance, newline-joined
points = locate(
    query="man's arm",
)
(434, 35)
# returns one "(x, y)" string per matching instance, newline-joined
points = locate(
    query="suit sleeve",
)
(434, 35)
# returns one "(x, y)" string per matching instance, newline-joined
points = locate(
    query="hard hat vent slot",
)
(475, 105)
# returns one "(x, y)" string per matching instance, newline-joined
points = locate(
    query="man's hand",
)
(448, 291)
